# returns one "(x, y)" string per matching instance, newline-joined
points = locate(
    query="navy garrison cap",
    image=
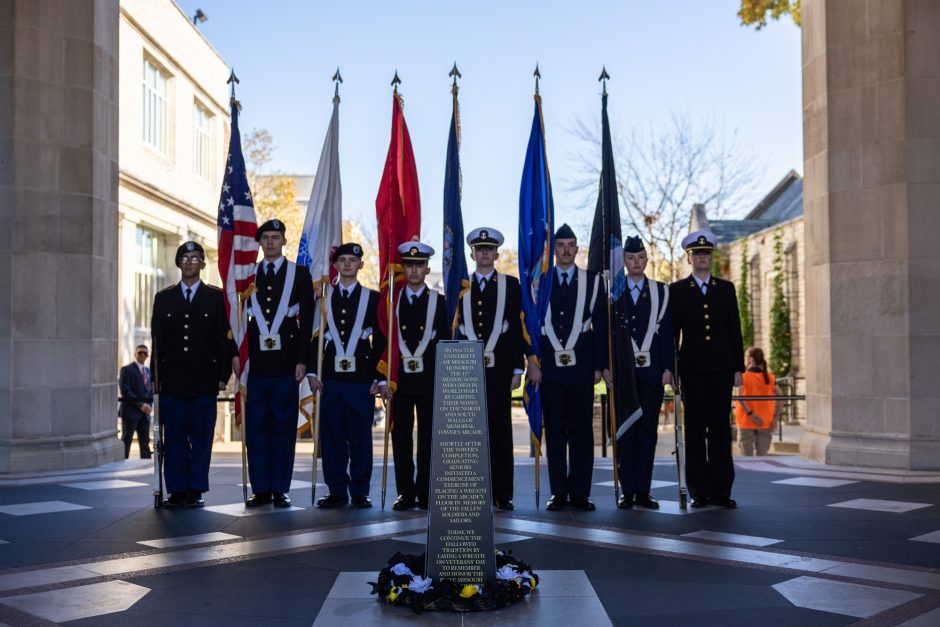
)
(349, 248)
(565, 232)
(189, 247)
(271, 225)
(633, 245)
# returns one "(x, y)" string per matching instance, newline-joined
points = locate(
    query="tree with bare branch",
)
(661, 173)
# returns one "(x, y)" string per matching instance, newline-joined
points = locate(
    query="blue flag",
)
(454, 260)
(536, 260)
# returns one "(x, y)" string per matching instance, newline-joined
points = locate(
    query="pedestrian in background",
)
(136, 402)
(755, 419)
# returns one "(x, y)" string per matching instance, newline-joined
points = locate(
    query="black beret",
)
(349, 248)
(189, 247)
(633, 245)
(565, 232)
(271, 225)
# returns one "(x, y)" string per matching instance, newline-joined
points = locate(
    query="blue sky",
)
(683, 57)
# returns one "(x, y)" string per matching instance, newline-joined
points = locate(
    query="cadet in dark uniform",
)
(490, 311)
(352, 348)
(711, 359)
(193, 359)
(422, 322)
(574, 356)
(279, 332)
(646, 315)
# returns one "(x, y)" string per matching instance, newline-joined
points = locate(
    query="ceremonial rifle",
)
(157, 435)
(679, 451)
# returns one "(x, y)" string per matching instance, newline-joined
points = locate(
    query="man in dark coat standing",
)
(422, 323)
(574, 357)
(280, 327)
(136, 402)
(707, 331)
(645, 318)
(490, 311)
(193, 359)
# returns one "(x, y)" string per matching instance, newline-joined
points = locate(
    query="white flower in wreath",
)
(401, 569)
(507, 572)
(420, 584)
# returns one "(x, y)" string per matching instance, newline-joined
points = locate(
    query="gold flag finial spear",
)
(604, 77)
(537, 76)
(456, 74)
(396, 82)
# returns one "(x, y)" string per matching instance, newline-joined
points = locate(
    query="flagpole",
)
(388, 361)
(316, 407)
(388, 348)
(241, 401)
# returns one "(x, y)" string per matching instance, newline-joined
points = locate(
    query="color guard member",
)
(279, 331)
(193, 359)
(711, 352)
(422, 322)
(348, 381)
(490, 311)
(574, 356)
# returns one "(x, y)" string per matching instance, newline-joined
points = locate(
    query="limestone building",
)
(174, 118)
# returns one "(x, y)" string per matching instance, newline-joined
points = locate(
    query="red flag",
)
(398, 211)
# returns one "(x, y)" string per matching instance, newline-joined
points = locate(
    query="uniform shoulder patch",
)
(229, 335)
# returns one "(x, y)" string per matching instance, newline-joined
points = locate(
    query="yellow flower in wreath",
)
(468, 591)
(393, 593)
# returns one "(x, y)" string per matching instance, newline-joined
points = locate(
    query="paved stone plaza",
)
(809, 545)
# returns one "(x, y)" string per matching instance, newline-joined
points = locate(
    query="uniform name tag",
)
(563, 359)
(269, 342)
(489, 359)
(641, 359)
(414, 364)
(344, 364)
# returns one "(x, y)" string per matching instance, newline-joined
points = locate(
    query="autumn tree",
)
(756, 12)
(274, 193)
(661, 172)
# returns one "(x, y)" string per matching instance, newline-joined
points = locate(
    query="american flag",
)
(238, 250)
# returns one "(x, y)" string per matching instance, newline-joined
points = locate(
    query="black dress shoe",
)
(625, 501)
(257, 500)
(556, 503)
(281, 499)
(403, 503)
(724, 501)
(195, 499)
(583, 503)
(332, 500)
(504, 505)
(647, 501)
(177, 499)
(361, 501)
(699, 502)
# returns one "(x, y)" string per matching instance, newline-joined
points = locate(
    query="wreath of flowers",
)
(402, 582)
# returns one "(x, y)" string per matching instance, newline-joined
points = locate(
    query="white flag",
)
(323, 226)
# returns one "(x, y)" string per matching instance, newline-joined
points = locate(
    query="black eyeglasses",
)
(142, 353)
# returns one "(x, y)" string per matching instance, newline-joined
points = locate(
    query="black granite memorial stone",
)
(460, 518)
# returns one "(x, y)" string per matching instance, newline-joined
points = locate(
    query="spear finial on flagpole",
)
(232, 80)
(537, 76)
(337, 79)
(604, 77)
(456, 74)
(396, 82)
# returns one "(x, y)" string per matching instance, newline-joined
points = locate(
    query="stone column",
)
(58, 241)
(871, 131)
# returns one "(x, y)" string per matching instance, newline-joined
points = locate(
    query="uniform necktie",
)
(564, 279)
(482, 283)
(635, 293)
(345, 294)
(412, 298)
(704, 289)
(270, 269)
(189, 294)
